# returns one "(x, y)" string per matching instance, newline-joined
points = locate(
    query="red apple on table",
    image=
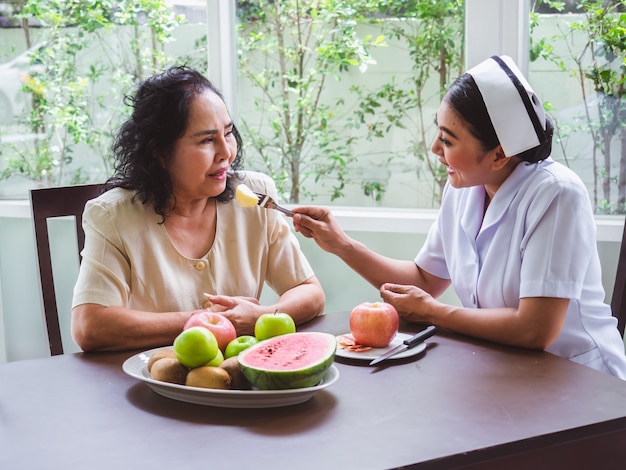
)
(374, 324)
(220, 326)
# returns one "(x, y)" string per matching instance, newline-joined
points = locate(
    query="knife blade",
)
(406, 344)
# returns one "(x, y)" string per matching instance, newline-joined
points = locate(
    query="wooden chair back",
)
(618, 301)
(47, 203)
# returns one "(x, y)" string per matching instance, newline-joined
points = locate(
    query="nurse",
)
(515, 235)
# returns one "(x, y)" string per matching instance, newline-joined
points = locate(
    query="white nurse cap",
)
(515, 111)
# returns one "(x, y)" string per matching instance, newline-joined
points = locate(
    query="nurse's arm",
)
(378, 269)
(535, 324)
(319, 224)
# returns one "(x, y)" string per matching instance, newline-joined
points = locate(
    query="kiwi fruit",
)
(168, 369)
(208, 377)
(237, 380)
(160, 354)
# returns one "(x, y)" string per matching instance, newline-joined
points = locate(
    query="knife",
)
(406, 344)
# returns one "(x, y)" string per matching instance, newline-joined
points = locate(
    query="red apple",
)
(374, 324)
(220, 326)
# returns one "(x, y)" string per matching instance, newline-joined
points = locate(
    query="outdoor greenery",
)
(602, 62)
(601, 72)
(433, 33)
(68, 89)
(295, 55)
(293, 52)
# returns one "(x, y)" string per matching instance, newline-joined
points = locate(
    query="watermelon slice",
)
(294, 360)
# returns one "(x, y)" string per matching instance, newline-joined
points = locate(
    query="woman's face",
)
(460, 151)
(203, 155)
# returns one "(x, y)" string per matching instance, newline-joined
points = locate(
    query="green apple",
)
(195, 346)
(217, 360)
(239, 344)
(269, 325)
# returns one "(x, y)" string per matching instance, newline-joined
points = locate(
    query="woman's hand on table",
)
(302, 302)
(241, 311)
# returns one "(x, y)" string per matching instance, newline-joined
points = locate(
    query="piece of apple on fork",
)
(248, 198)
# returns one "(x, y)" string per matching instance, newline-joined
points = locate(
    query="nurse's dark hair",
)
(465, 98)
(145, 141)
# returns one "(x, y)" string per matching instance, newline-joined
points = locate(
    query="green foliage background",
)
(295, 55)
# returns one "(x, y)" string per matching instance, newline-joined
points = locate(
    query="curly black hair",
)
(160, 112)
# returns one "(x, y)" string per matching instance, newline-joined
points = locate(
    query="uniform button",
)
(207, 304)
(200, 265)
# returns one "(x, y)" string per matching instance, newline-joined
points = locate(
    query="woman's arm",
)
(535, 324)
(99, 328)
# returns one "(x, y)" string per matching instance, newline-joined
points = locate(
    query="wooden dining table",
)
(461, 403)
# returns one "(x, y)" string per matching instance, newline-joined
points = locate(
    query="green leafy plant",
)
(69, 92)
(292, 52)
(600, 67)
(602, 62)
(432, 32)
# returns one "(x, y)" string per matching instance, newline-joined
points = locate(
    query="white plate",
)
(136, 366)
(373, 353)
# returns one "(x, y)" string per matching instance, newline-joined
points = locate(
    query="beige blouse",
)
(129, 260)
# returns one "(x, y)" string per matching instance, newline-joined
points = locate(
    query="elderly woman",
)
(515, 235)
(168, 230)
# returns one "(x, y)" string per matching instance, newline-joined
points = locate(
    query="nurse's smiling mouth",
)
(449, 169)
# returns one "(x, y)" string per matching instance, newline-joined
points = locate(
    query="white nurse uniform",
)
(537, 239)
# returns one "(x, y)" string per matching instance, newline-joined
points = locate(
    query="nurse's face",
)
(203, 155)
(466, 162)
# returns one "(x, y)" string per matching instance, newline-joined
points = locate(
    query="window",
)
(347, 119)
(353, 126)
(62, 85)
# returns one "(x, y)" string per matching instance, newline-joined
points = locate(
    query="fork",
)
(269, 203)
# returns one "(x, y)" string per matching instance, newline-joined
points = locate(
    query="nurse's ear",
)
(498, 158)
